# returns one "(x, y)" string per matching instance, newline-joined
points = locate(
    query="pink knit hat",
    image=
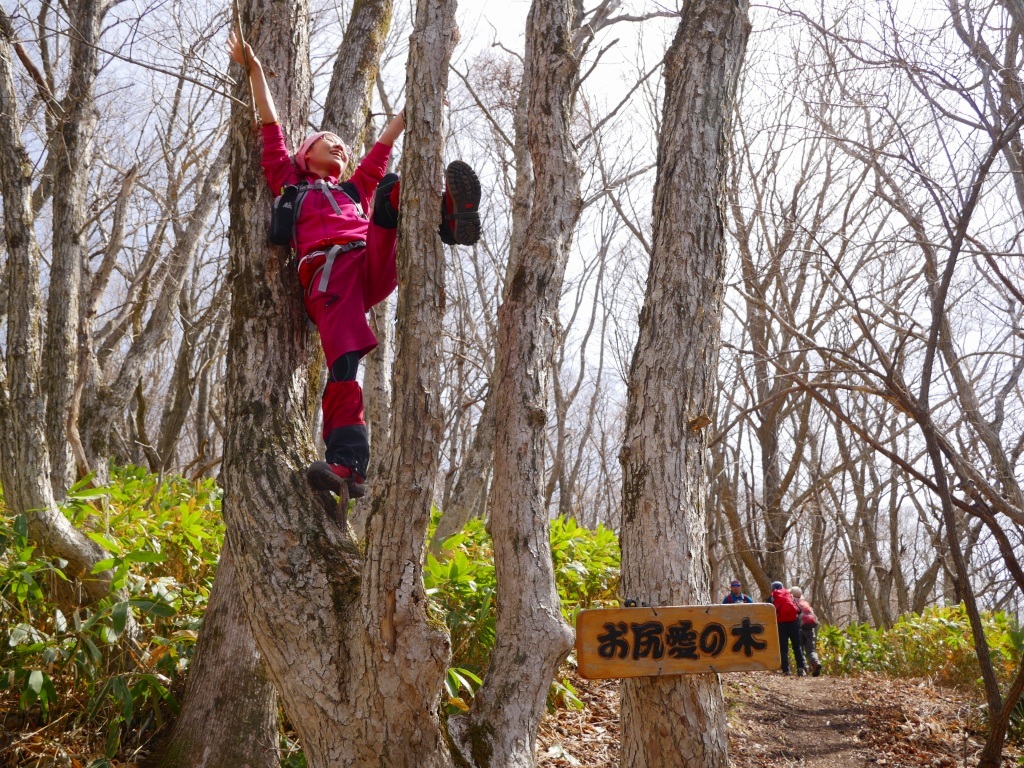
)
(313, 138)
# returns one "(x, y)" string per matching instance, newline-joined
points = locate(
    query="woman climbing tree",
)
(345, 237)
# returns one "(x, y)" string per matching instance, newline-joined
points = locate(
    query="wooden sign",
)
(676, 640)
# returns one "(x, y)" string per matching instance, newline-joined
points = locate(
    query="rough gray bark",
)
(347, 106)
(501, 727)
(377, 395)
(679, 720)
(228, 717)
(346, 638)
(3, 278)
(72, 144)
(24, 460)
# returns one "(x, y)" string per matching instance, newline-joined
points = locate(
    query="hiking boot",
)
(460, 217)
(816, 670)
(335, 478)
(801, 672)
(385, 202)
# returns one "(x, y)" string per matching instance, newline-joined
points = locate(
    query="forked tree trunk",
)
(532, 639)
(229, 715)
(346, 638)
(244, 668)
(679, 721)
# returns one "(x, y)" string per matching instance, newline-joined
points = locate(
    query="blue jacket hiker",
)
(736, 594)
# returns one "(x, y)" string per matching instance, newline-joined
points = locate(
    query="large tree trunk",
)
(73, 147)
(244, 670)
(347, 106)
(507, 709)
(294, 567)
(678, 721)
(346, 638)
(229, 715)
(24, 460)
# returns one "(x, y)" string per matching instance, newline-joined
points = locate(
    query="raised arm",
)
(393, 130)
(241, 54)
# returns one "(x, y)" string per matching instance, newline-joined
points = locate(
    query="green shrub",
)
(462, 586)
(936, 644)
(56, 661)
(76, 666)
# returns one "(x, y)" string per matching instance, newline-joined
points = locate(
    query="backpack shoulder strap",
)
(304, 187)
(352, 191)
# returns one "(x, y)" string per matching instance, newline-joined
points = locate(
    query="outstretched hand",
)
(241, 53)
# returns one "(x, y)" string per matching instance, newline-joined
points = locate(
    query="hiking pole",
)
(245, 56)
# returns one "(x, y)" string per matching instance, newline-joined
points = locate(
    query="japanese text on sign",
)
(633, 642)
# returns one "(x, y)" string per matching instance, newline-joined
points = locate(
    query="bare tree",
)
(23, 442)
(71, 142)
(346, 638)
(672, 382)
(507, 709)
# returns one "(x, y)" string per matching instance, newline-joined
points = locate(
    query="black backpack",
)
(285, 212)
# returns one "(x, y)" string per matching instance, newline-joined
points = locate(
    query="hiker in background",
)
(787, 613)
(808, 631)
(736, 594)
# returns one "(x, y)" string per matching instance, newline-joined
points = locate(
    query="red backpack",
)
(808, 619)
(786, 608)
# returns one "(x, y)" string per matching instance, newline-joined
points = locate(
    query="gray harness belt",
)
(332, 254)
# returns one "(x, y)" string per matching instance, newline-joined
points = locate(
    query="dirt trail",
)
(778, 721)
(814, 722)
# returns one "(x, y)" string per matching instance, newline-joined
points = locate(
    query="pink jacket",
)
(319, 225)
(358, 278)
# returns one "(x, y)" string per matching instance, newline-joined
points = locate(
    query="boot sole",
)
(321, 478)
(464, 188)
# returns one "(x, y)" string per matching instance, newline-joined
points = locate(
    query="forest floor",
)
(821, 722)
(777, 721)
